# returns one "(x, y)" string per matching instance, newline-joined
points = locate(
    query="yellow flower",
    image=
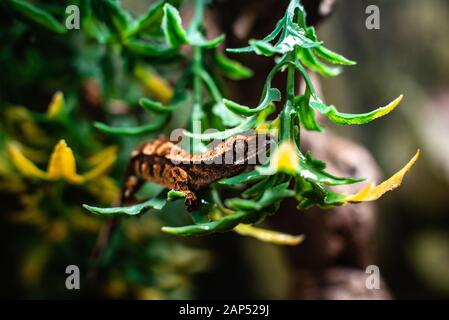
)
(284, 159)
(269, 235)
(20, 123)
(62, 165)
(154, 84)
(33, 265)
(372, 192)
(56, 105)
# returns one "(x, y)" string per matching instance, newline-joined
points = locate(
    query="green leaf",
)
(243, 204)
(173, 195)
(38, 16)
(270, 197)
(244, 177)
(197, 39)
(261, 47)
(272, 95)
(314, 163)
(201, 214)
(232, 69)
(133, 131)
(310, 61)
(172, 27)
(279, 26)
(240, 50)
(226, 223)
(156, 107)
(305, 75)
(306, 114)
(299, 38)
(259, 188)
(347, 118)
(154, 203)
(244, 126)
(333, 57)
(311, 194)
(313, 170)
(229, 118)
(119, 17)
(96, 29)
(148, 49)
(276, 194)
(151, 19)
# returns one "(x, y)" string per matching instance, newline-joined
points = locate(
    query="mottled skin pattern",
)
(165, 163)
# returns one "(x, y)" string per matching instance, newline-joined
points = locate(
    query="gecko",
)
(164, 162)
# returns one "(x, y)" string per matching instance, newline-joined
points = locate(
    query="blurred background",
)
(43, 227)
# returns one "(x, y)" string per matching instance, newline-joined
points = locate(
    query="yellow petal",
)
(24, 165)
(33, 266)
(269, 235)
(372, 192)
(80, 220)
(107, 153)
(263, 128)
(56, 231)
(104, 189)
(285, 158)
(154, 84)
(100, 169)
(62, 164)
(56, 105)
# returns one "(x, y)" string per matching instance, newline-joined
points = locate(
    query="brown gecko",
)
(167, 164)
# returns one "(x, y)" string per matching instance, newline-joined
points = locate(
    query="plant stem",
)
(197, 68)
(287, 130)
(197, 112)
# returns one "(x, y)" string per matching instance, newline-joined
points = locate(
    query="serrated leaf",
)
(347, 118)
(198, 40)
(333, 57)
(156, 107)
(310, 61)
(133, 131)
(313, 170)
(272, 95)
(38, 16)
(244, 126)
(226, 223)
(231, 68)
(258, 188)
(228, 118)
(269, 236)
(245, 177)
(154, 203)
(149, 20)
(300, 38)
(306, 114)
(175, 34)
(261, 47)
(372, 192)
(270, 197)
(311, 194)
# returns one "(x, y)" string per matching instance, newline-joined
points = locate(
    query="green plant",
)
(51, 161)
(290, 173)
